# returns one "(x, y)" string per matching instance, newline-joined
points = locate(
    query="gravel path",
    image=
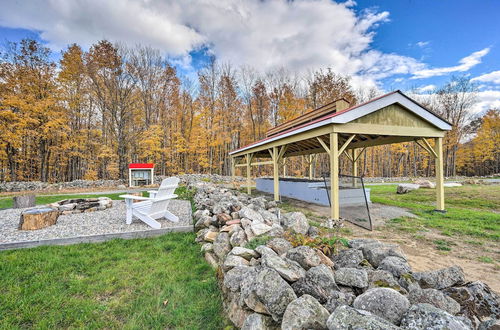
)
(108, 221)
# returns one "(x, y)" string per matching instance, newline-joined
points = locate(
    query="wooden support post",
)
(276, 178)
(334, 176)
(311, 158)
(354, 167)
(438, 148)
(249, 169)
(284, 167)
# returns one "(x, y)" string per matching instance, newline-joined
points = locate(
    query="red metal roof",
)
(141, 165)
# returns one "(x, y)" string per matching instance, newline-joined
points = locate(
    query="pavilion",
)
(337, 128)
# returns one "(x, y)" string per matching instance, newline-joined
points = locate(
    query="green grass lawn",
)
(5, 202)
(152, 283)
(472, 210)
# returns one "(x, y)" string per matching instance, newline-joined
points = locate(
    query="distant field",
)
(472, 210)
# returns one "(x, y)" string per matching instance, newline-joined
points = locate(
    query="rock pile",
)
(369, 285)
(45, 186)
(80, 205)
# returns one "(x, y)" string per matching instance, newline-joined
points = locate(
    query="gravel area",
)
(109, 221)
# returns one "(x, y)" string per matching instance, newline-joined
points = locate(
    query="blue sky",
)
(390, 44)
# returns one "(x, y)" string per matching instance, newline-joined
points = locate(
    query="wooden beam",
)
(390, 130)
(233, 172)
(354, 167)
(276, 174)
(429, 147)
(249, 158)
(346, 143)
(323, 144)
(438, 148)
(282, 151)
(334, 176)
(348, 156)
(359, 154)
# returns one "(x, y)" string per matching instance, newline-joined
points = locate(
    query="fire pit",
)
(80, 205)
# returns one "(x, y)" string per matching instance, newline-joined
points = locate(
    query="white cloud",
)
(298, 35)
(422, 44)
(427, 88)
(487, 100)
(492, 77)
(466, 64)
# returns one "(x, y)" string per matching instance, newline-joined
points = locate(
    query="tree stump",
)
(38, 218)
(24, 201)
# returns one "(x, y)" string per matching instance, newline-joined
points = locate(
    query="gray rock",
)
(222, 245)
(259, 228)
(492, 324)
(384, 302)
(404, 188)
(352, 277)
(207, 247)
(395, 265)
(248, 254)
(384, 279)
(428, 317)
(440, 279)
(234, 277)
(304, 313)
(313, 231)
(345, 317)
(279, 245)
(232, 261)
(276, 231)
(349, 258)
(477, 300)
(268, 293)
(295, 221)
(436, 298)
(265, 251)
(288, 269)
(318, 282)
(339, 298)
(305, 256)
(377, 253)
(258, 321)
(269, 217)
(238, 238)
(250, 214)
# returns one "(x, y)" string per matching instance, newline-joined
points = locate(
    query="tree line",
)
(93, 112)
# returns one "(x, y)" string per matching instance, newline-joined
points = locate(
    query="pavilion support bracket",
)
(323, 144)
(424, 144)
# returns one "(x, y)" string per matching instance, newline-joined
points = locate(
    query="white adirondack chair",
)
(155, 206)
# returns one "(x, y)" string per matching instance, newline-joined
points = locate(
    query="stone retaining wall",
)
(367, 285)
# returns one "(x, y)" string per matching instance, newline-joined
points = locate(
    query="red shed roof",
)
(141, 165)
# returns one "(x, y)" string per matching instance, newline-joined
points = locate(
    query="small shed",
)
(140, 174)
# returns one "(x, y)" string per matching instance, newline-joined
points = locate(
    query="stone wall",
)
(368, 285)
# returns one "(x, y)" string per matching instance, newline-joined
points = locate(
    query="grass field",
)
(149, 283)
(472, 210)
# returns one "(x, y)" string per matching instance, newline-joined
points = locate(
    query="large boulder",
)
(357, 243)
(345, 317)
(259, 228)
(384, 302)
(279, 245)
(318, 282)
(238, 238)
(441, 278)
(423, 183)
(349, 258)
(222, 246)
(395, 265)
(267, 293)
(288, 269)
(295, 221)
(428, 317)
(265, 251)
(304, 313)
(383, 279)
(232, 261)
(404, 188)
(256, 321)
(305, 256)
(352, 277)
(436, 298)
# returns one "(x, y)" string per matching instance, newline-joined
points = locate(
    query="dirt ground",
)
(420, 248)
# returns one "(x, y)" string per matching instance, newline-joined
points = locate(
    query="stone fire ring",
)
(80, 205)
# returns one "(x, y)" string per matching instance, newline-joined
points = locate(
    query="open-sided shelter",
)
(338, 128)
